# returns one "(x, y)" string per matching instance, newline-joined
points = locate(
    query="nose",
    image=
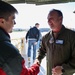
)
(14, 22)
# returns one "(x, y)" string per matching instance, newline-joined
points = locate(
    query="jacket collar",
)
(4, 36)
(61, 31)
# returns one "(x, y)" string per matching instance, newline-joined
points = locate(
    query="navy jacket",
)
(33, 33)
(11, 61)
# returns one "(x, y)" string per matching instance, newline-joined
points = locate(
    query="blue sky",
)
(29, 14)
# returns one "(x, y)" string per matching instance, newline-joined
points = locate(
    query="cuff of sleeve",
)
(63, 70)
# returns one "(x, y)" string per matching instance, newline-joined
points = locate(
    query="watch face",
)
(63, 70)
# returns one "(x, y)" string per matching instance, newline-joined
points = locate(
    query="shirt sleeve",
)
(2, 72)
(69, 67)
(33, 70)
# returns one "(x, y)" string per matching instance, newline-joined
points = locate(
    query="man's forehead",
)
(52, 13)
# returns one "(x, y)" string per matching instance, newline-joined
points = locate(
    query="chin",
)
(52, 27)
(10, 31)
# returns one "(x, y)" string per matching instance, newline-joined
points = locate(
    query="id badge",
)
(59, 41)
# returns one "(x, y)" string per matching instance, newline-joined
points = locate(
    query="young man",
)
(58, 46)
(32, 37)
(11, 61)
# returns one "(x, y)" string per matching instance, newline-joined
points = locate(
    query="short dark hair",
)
(6, 10)
(36, 23)
(58, 11)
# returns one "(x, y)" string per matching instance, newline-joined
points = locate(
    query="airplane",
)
(38, 2)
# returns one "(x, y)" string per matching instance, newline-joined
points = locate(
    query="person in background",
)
(11, 61)
(58, 46)
(32, 38)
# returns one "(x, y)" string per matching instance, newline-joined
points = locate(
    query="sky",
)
(29, 14)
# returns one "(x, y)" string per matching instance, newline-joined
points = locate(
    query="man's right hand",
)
(36, 61)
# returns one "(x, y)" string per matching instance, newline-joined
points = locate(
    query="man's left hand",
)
(57, 70)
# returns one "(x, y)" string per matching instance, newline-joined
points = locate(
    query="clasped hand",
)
(57, 70)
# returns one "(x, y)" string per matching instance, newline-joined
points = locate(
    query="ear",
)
(1, 20)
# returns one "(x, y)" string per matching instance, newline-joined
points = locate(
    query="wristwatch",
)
(62, 69)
